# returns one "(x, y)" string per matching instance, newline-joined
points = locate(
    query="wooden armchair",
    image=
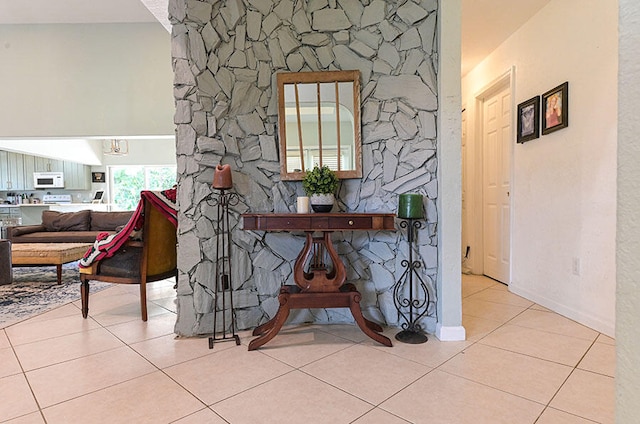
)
(137, 262)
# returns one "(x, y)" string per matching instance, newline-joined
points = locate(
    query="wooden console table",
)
(318, 284)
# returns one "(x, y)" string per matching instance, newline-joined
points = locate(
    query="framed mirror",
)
(319, 123)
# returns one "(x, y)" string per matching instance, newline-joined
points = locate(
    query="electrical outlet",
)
(575, 266)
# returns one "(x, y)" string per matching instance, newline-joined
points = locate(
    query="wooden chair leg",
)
(84, 297)
(143, 299)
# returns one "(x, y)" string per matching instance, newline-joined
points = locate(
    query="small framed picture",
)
(97, 177)
(529, 120)
(555, 109)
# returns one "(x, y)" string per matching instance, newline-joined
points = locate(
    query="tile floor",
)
(520, 364)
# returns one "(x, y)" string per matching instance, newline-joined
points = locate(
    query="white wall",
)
(628, 260)
(563, 184)
(85, 80)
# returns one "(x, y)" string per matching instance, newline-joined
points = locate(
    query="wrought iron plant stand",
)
(411, 296)
(224, 288)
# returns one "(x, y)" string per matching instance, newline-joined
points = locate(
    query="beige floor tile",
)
(531, 378)
(601, 359)
(490, 310)
(61, 382)
(432, 353)
(475, 283)
(168, 350)
(553, 416)
(4, 340)
(33, 418)
(225, 373)
(134, 331)
(346, 331)
(153, 398)
(203, 416)
(537, 307)
(540, 344)
(16, 397)
(476, 328)
(114, 311)
(282, 401)
(70, 309)
(9, 364)
(587, 395)
(443, 398)
(554, 323)
(64, 348)
(161, 289)
(602, 338)
(501, 296)
(500, 286)
(378, 416)
(168, 303)
(370, 374)
(301, 345)
(33, 331)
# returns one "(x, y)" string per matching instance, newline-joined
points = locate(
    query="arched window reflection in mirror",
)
(319, 123)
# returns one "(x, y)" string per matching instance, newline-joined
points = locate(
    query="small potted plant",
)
(320, 185)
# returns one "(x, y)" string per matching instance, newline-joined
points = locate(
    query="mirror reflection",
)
(319, 123)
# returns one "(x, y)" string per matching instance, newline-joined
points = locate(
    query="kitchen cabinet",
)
(48, 164)
(29, 168)
(12, 176)
(76, 176)
(16, 171)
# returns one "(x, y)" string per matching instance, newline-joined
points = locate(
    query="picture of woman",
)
(554, 110)
(555, 105)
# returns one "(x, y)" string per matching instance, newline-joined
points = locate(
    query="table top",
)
(340, 221)
(47, 253)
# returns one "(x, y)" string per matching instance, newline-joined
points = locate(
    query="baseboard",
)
(450, 334)
(600, 324)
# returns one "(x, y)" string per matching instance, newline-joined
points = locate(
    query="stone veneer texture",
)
(225, 57)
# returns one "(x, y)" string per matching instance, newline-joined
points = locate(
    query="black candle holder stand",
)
(412, 307)
(224, 287)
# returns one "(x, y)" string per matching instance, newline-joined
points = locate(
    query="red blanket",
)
(107, 244)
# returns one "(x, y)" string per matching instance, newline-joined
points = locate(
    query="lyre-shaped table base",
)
(319, 284)
(292, 298)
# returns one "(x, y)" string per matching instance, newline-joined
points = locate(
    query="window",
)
(126, 182)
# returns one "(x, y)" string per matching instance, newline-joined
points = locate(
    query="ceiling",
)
(485, 23)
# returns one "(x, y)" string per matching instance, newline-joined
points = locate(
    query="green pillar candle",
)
(410, 206)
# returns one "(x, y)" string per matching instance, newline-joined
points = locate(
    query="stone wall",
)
(225, 57)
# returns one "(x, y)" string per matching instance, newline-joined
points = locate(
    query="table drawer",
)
(276, 222)
(318, 222)
(350, 222)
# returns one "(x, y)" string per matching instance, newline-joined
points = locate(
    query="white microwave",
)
(48, 180)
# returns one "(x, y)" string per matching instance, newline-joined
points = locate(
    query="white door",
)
(496, 141)
(465, 210)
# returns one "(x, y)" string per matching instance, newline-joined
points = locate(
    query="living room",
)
(194, 250)
(109, 82)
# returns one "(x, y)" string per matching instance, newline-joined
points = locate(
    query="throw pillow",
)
(66, 221)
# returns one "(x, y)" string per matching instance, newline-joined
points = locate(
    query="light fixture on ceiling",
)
(116, 147)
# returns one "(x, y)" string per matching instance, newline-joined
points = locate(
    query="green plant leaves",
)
(320, 180)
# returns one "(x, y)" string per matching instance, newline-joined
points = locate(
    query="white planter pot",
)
(322, 202)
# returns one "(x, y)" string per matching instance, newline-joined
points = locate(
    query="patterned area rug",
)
(34, 290)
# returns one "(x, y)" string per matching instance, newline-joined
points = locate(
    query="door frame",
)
(476, 236)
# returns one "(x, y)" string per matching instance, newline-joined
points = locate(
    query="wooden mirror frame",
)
(295, 78)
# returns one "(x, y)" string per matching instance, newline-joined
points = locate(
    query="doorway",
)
(492, 152)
